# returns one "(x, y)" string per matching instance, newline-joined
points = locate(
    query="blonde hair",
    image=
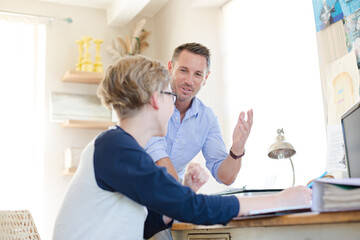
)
(130, 82)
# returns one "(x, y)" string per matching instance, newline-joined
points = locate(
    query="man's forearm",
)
(166, 163)
(228, 170)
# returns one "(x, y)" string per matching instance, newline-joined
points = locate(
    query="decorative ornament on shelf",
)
(80, 44)
(136, 45)
(84, 62)
(98, 66)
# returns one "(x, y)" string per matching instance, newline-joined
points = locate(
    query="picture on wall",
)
(352, 34)
(77, 107)
(326, 12)
(348, 7)
(341, 87)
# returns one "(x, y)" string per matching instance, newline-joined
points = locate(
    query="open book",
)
(331, 195)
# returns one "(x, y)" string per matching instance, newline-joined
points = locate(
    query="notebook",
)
(350, 124)
(282, 210)
(274, 212)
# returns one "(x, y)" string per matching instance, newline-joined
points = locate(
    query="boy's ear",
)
(154, 100)
(170, 66)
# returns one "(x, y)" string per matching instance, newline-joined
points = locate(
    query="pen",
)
(312, 182)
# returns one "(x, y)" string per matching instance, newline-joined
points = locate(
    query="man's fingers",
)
(205, 178)
(195, 175)
(241, 116)
(250, 116)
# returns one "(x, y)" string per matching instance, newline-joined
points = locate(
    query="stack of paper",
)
(336, 195)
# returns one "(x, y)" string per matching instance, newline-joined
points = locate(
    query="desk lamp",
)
(282, 149)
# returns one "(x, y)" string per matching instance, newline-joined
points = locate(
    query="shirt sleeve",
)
(157, 148)
(131, 172)
(214, 149)
(154, 223)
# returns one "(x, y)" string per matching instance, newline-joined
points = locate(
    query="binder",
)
(332, 195)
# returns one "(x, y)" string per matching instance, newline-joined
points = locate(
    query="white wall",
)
(61, 55)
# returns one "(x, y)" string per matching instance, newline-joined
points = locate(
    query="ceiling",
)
(121, 12)
(118, 12)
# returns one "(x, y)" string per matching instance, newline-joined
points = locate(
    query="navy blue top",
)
(122, 165)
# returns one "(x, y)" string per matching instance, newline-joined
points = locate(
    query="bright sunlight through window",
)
(271, 65)
(22, 82)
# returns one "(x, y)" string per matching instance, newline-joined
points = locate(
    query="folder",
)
(331, 195)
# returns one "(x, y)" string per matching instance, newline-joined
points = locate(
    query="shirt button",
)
(176, 141)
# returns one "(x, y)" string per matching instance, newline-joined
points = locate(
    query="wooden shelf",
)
(70, 123)
(68, 171)
(83, 77)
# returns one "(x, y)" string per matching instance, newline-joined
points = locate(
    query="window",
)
(22, 73)
(271, 65)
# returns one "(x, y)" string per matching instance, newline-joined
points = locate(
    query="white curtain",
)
(271, 65)
(22, 64)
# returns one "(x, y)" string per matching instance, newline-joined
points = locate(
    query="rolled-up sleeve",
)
(214, 149)
(157, 148)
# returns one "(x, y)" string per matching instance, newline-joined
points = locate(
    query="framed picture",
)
(352, 34)
(326, 12)
(65, 106)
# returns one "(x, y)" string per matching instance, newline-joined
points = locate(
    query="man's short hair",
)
(195, 48)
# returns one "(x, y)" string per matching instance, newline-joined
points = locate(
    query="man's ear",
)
(206, 77)
(154, 100)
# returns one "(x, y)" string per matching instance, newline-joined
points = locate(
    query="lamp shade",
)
(281, 148)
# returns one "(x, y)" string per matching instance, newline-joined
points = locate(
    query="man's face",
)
(189, 74)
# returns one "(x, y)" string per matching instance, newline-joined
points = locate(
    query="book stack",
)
(330, 195)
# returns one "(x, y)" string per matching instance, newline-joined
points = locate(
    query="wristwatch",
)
(236, 156)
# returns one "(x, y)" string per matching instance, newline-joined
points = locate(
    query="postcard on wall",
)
(335, 160)
(340, 86)
(348, 7)
(77, 107)
(352, 34)
(326, 12)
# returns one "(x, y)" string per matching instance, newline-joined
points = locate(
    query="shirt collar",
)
(193, 111)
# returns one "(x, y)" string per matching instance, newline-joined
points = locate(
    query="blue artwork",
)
(349, 6)
(327, 12)
(352, 34)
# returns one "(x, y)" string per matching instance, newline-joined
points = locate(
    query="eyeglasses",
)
(173, 95)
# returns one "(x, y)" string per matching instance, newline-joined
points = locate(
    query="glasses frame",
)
(173, 95)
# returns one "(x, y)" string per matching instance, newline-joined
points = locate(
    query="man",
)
(193, 127)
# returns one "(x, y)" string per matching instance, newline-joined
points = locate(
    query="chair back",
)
(16, 225)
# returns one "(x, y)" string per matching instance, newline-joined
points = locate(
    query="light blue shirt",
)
(199, 131)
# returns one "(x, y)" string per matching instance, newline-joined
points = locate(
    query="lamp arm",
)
(292, 166)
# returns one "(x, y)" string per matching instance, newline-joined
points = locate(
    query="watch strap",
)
(236, 156)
